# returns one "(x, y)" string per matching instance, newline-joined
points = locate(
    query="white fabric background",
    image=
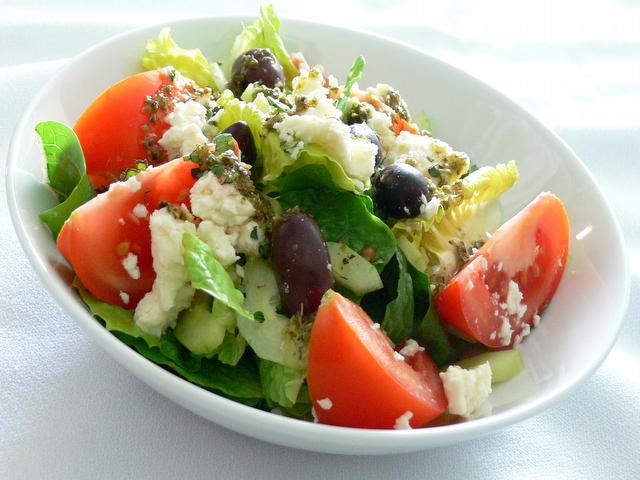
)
(68, 411)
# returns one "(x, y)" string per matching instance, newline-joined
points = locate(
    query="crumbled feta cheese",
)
(536, 320)
(140, 211)
(411, 347)
(493, 335)
(247, 237)
(376, 326)
(310, 84)
(466, 390)
(221, 203)
(469, 285)
(171, 292)
(382, 124)
(514, 300)
(325, 403)
(130, 264)
(220, 243)
(402, 422)
(483, 263)
(505, 332)
(133, 183)
(355, 155)
(185, 133)
(430, 208)
(124, 297)
(314, 415)
(398, 356)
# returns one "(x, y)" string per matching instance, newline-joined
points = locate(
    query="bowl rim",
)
(195, 396)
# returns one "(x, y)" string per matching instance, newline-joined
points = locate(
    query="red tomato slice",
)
(527, 254)
(102, 232)
(353, 365)
(119, 127)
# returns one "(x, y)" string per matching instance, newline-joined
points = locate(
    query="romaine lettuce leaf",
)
(342, 216)
(66, 171)
(399, 313)
(207, 274)
(236, 110)
(164, 52)
(281, 384)
(240, 382)
(276, 163)
(428, 330)
(264, 32)
(465, 217)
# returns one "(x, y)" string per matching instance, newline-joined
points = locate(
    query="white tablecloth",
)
(67, 410)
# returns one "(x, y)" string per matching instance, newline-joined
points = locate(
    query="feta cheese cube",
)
(466, 390)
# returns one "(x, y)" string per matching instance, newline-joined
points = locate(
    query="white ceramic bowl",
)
(578, 329)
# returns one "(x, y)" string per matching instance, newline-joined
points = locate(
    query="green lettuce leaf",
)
(354, 75)
(281, 384)
(164, 52)
(264, 32)
(116, 319)
(240, 382)
(393, 305)
(428, 330)
(236, 110)
(66, 171)
(342, 216)
(207, 274)
(276, 164)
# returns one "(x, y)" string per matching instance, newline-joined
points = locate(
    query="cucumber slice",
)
(353, 271)
(505, 364)
(202, 327)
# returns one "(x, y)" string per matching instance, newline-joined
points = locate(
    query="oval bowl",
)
(578, 329)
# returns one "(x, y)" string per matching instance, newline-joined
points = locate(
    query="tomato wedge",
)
(356, 380)
(100, 234)
(121, 125)
(496, 297)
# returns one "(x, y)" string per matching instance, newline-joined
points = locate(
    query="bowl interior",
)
(578, 328)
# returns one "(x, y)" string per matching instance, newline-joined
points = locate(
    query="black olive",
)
(401, 191)
(241, 133)
(362, 130)
(256, 66)
(301, 262)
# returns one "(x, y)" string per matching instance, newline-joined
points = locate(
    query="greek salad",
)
(298, 243)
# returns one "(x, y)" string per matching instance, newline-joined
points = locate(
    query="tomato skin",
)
(113, 128)
(530, 250)
(103, 231)
(353, 365)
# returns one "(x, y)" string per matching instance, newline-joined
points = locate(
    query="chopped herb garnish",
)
(354, 75)
(434, 171)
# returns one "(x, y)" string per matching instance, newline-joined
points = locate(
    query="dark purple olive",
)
(362, 130)
(301, 262)
(257, 65)
(401, 191)
(241, 133)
